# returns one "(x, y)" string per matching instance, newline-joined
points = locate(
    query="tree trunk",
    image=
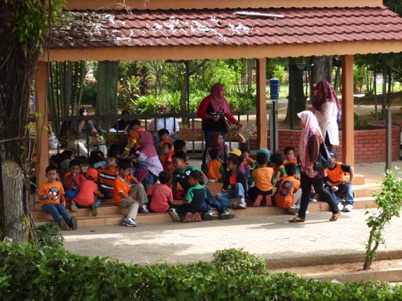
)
(322, 68)
(12, 178)
(106, 101)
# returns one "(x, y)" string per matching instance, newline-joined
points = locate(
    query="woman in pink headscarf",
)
(310, 141)
(147, 154)
(327, 109)
(213, 110)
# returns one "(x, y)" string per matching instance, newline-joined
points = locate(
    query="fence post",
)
(388, 119)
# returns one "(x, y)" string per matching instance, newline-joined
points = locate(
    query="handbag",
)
(324, 159)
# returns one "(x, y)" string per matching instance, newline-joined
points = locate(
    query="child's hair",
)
(74, 162)
(66, 154)
(235, 160)
(213, 153)
(125, 164)
(162, 132)
(164, 177)
(115, 150)
(290, 169)
(50, 168)
(244, 150)
(169, 145)
(99, 153)
(180, 155)
(262, 158)
(276, 159)
(289, 148)
(196, 175)
(94, 158)
(134, 122)
(179, 145)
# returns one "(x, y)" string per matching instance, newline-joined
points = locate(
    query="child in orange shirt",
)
(263, 176)
(167, 153)
(214, 169)
(53, 202)
(73, 180)
(129, 193)
(133, 134)
(288, 192)
(163, 138)
(87, 196)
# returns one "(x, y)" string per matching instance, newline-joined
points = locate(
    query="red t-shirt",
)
(161, 197)
(86, 195)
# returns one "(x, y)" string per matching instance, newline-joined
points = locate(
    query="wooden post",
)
(42, 133)
(261, 103)
(348, 132)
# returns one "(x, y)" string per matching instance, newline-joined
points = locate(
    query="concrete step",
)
(113, 215)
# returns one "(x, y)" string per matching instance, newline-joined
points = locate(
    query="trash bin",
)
(274, 88)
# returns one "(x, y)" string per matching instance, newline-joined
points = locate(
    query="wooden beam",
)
(219, 52)
(348, 137)
(261, 83)
(199, 4)
(42, 134)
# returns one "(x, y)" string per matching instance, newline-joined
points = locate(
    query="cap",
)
(235, 151)
(333, 155)
(92, 172)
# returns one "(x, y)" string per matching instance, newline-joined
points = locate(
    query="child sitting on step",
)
(191, 210)
(161, 194)
(73, 180)
(263, 179)
(288, 194)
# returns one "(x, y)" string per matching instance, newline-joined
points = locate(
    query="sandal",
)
(335, 217)
(297, 220)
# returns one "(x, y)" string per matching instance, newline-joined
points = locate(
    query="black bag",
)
(324, 159)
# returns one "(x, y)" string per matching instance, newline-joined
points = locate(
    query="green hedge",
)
(54, 274)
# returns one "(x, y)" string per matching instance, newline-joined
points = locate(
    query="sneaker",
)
(63, 224)
(348, 208)
(74, 207)
(226, 215)
(340, 207)
(174, 215)
(73, 223)
(129, 222)
(242, 203)
(94, 210)
(313, 201)
(210, 215)
(188, 217)
(294, 209)
(143, 209)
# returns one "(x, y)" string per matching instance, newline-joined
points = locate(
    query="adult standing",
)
(310, 140)
(213, 110)
(81, 130)
(327, 109)
(169, 123)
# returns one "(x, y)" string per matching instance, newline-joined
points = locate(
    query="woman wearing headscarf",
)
(213, 110)
(148, 156)
(327, 109)
(310, 140)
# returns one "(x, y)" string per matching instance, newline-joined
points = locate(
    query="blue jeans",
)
(236, 191)
(210, 201)
(97, 202)
(345, 190)
(57, 211)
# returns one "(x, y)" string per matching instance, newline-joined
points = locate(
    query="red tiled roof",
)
(222, 27)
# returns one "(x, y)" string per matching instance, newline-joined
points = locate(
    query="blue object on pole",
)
(274, 88)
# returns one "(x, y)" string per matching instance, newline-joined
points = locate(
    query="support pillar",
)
(42, 133)
(348, 133)
(261, 103)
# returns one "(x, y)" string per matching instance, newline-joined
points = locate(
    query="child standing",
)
(53, 202)
(234, 184)
(128, 192)
(288, 193)
(106, 177)
(166, 157)
(263, 176)
(161, 194)
(194, 199)
(87, 196)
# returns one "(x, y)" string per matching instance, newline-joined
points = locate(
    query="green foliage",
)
(149, 104)
(389, 203)
(49, 235)
(31, 16)
(359, 123)
(279, 73)
(27, 273)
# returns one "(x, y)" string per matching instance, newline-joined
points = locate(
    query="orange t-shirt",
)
(214, 169)
(284, 196)
(263, 178)
(336, 175)
(86, 195)
(294, 160)
(121, 185)
(53, 191)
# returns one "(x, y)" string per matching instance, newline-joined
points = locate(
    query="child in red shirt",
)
(87, 196)
(161, 194)
(73, 180)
